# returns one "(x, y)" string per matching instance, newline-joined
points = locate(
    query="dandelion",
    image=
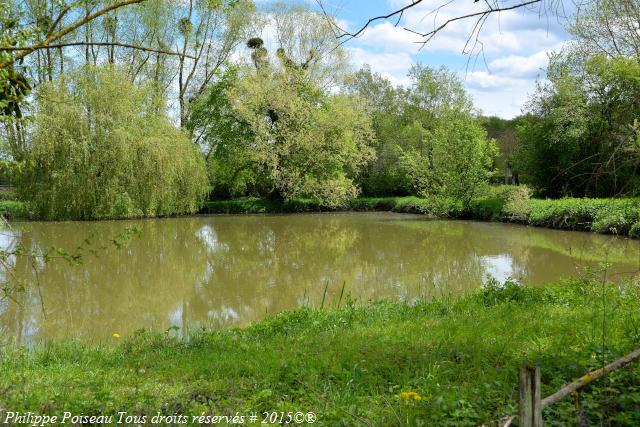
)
(410, 395)
(115, 335)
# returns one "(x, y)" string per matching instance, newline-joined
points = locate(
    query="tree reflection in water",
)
(232, 270)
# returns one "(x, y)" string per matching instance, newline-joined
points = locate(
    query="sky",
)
(511, 55)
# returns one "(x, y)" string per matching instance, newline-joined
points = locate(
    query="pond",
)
(223, 271)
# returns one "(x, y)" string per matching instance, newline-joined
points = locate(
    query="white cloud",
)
(506, 101)
(524, 66)
(392, 65)
(514, 45)
(389, 37)
(482, 80)
(520, 66)
(520, 29)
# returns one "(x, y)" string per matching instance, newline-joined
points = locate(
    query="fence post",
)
(530, 407)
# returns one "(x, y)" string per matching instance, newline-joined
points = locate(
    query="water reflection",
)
(232, 270)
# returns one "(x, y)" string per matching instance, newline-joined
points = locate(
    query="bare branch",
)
(378, 18)
(118, 44)
(66, 30)
(481, 16)
(58, 19)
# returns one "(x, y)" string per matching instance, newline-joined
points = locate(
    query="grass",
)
(14, 209)
(610, 216)
(615, 216)
(351, 364)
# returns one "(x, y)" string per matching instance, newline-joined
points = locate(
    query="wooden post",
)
(530, 407)
(530, 403)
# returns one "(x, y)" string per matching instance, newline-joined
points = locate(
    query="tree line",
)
(151, 108)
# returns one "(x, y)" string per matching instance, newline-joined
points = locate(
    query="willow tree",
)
(99, 149)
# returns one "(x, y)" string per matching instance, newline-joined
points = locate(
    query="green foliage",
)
(306, 41)
(608, 27)
(487, 208)
(428, 142)
(514, 204)
(615, 216)
(462, 157)
(383, 176)
(504, 132)
(256, 205)
(433, 207)
(504, 203)
(579, 135)
(509, 292)
(459, 356)
(286, 138)
(517, 206)
(13, 32)
(99, 150)
(13, 209)
(226, 140)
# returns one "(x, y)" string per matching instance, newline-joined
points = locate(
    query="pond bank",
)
(445, 362)
(608, 216)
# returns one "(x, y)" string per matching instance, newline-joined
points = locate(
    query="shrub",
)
(486, 208)
(517, 206)
(614, 216)
(100, 149)
(13, 209)
(494, 292)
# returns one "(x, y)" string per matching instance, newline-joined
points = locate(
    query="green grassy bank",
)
(351, 365)
(611, 216)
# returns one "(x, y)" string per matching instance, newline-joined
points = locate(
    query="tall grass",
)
(357, 362)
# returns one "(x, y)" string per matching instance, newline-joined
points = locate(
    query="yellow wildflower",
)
(409, 395)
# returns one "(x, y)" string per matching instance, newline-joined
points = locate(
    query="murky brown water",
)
(233, 270)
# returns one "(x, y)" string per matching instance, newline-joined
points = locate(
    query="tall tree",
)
(427, 139)
(309, 143)
(305, 39)
(210, 30)
(100, 150)
(609, 27)
(581, 127)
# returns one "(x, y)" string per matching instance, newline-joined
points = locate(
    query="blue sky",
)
(515, 46)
